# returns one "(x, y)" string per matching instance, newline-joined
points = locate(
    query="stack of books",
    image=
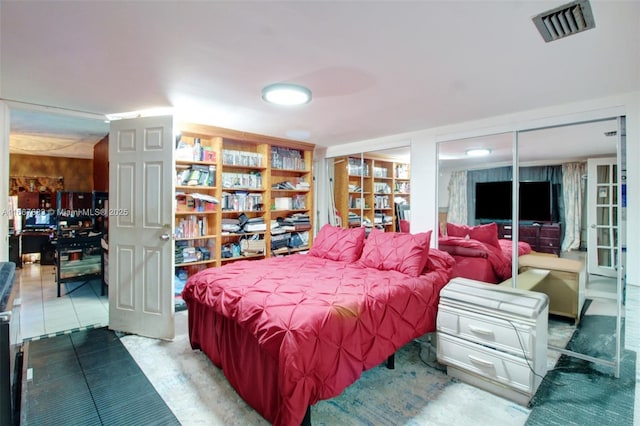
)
(255, 224)
(381, 218)
(354, 219)
(279, 241)
(197, 175)
(185, 253)
(296, 222)
(230, 225)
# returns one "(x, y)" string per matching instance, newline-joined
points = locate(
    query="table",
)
(78, 259)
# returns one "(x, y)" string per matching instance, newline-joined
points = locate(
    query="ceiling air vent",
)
(565, 20)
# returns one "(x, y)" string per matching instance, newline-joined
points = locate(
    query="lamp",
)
(286, 94)
(478, 152)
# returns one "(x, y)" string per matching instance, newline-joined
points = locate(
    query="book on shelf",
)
(196, 175)
(255, 227)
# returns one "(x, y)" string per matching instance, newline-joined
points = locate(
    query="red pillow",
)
(487, 234)
(337, 243)
(439, 259)
(399, 251)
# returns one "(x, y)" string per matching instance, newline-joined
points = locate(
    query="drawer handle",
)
(479, 361)
(483, 331)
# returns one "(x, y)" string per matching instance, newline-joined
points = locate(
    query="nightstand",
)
(493, 337)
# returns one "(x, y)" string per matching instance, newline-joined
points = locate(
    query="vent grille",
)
(565, 20)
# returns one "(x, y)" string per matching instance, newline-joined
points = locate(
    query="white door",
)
(140, 245)
(602, 216)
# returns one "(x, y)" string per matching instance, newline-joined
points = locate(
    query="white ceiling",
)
(375, 68)
(555, 145)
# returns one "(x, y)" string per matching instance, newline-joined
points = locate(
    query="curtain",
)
(458, 197)
(573, 187)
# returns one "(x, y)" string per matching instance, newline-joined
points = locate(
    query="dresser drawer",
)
(550, 231)
(504, 231)
(528, 231)
(495, 332)
(498, 366)
(549, 243)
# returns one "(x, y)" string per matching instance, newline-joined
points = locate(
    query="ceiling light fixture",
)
(286, 94)
(478, 152)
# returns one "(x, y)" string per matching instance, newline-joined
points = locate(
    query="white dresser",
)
(493, 337)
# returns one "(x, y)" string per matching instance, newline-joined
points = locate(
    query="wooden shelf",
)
(224, 146)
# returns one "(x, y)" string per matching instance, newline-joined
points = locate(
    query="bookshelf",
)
(243, 199)
(353, 189)
(196, 202)
(401, 192)
(291, 199)
(228, 196)
(383, 194)
(366, 189)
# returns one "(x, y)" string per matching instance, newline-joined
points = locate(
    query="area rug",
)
(578, 392)
(413, 393)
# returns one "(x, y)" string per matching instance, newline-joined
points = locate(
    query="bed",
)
(290, 331)
(478, 252)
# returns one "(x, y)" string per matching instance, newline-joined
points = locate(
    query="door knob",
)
(165, 237)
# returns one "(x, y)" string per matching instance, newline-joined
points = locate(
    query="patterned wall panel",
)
(77, 173)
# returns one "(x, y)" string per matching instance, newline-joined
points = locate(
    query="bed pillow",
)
(399, 251)
(455, 250)
(335, 243)
(487, 234)
(438, 260)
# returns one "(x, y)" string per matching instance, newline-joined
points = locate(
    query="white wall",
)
(4, 178)
(424, 177)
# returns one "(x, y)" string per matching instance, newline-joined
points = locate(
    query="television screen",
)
(40, 219)
(494, 201)
(535, 201)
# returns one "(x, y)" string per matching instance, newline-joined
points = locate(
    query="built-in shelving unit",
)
(366, 191)
(237, 195)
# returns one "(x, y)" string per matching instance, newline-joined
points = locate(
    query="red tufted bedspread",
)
(481, 261)
(290, 331)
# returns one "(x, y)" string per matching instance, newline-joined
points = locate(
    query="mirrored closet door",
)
(567, 198)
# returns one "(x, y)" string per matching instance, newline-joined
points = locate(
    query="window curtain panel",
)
(573, 188)
(458, 198)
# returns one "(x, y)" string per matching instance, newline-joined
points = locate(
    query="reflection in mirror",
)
(578, 245)
(371, 189)
(474, 206)
(567, 230)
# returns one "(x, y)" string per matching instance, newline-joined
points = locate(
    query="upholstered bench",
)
(565, 284)
(529, 279)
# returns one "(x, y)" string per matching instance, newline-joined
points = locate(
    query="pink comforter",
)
(498, 257)
(322, 321)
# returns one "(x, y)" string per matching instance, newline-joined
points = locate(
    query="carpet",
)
(414, 393)
(578, 392)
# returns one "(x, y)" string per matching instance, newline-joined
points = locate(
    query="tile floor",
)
(42, 313)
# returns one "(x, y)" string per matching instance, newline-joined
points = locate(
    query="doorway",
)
(53, 144)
